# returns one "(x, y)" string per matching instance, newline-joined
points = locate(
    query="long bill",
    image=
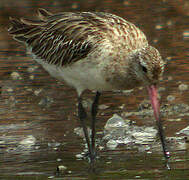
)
(152, 90)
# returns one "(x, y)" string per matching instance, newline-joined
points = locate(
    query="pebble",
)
(37, 92)
(28, 89)
(122, 106)
(137, 176)
(103, 107)
(51, 177)
(62, 168)
(161, 89)
(149, 152)
(170, 98)
(184, 131)
(10, 90)
(15, 76)
(112, 144)
(183, 87)
(101, 148)
(120, 131)
(79, 156)
(31, 77)
(142, 137)
(54, 144)
(28, 141)
(175, 120)
(114, 122)
(128, 91)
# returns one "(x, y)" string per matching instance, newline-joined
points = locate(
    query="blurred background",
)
(38, 115)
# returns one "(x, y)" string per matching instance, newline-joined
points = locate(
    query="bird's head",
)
(147, 67)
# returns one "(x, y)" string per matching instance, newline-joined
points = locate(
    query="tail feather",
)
(43, 14)
(15, 24)
(18, 29)
(23, 28)
(30, 22)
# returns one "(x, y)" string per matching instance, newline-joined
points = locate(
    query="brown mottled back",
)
(67, 37)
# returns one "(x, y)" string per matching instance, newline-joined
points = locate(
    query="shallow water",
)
(38, 115)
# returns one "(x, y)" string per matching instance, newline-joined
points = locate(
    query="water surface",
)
(38, 114)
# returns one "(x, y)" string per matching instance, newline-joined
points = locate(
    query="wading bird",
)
(96, 51)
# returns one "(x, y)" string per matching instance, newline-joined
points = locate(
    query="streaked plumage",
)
(97, 51)
(102, 39)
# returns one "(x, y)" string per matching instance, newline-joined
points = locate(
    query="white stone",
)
(183, 87)
(15, 76)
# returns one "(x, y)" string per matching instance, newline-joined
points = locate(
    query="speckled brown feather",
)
(67, 37)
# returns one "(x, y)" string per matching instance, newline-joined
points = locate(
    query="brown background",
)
(34, 104)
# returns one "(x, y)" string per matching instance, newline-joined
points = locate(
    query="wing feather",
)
(56, 39)
(67, 37)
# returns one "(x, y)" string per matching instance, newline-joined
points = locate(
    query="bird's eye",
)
(144, 69)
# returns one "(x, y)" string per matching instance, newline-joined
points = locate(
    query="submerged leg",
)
(82, 116)
(94, 111)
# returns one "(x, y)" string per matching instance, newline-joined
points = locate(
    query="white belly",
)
(82, 75)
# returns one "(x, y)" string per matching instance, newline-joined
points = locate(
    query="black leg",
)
(163, 143)
(94, 111)
(82, 117)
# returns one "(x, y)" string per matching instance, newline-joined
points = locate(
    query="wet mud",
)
(39, 128)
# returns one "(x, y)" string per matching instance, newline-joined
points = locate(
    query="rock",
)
(120, 131)
(37, 91)
(184, 131)
(147, 135)
(15, 76)
(61, 168)
(128, 91)
(54, 144)
(79, 156)
(10, 89)
(112, 144)
(103, 107)
(115, 122)
(28, 141)
(31, 77)
(160, 89)
(170, 98)
(58, 160)
(183, 87)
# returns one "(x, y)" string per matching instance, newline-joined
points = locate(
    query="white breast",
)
(81, 75)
